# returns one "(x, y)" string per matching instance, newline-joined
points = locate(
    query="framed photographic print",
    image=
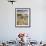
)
(22, 17)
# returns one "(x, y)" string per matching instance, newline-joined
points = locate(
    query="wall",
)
(8, 31)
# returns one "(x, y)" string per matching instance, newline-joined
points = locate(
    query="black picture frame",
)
(24, 13)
